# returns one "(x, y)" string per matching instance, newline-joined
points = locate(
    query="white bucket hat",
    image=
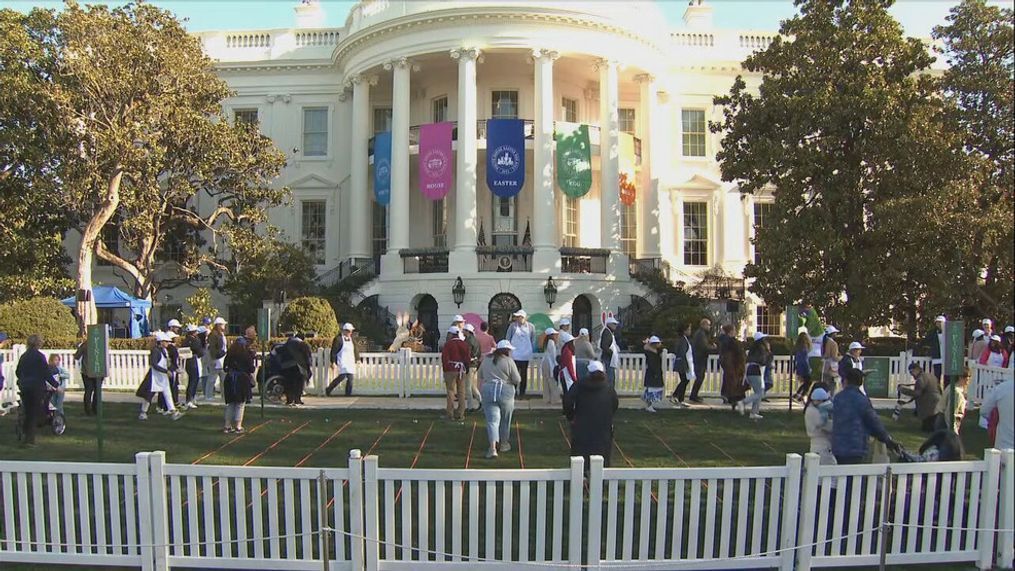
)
(453, 330)
(596, 367)
(995, 338)
(520, 313)
(977, 333)
(219, 321)
(470, 328)
(565, 337)
(457, 318)
(856, 345)
(831, 329)
(759, 335)
(174, 323)
(550, 331)
(348, 327)
(612, 321)
(654, 339)
(583, 331)
(505, 344)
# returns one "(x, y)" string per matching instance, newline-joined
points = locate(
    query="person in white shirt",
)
(547, 366)
(1000, 400)
(343, 355)
(522, 336)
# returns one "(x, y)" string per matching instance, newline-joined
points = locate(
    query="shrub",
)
(45, 316)
(309, 314)
(666, 324)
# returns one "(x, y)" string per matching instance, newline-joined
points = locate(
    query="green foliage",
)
(200, 306)
(45, 316)
(372, 332)
(673, 306)
(267, 265)
(309, 314)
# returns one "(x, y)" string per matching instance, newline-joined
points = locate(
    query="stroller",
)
(51, 417)
(941, 446)
(279, 371)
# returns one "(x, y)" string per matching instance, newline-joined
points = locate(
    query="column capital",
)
(645, 78)
(604, 63)
(466, 54)
(401, 63)
(543, 53)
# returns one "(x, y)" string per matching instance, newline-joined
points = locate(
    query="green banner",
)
(97, 347)
(792, 323)
(954, 351)
(876, 381)
(574, 159)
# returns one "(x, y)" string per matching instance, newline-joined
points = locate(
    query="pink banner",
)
(435, 162)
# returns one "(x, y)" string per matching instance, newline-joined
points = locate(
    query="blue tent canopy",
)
(110, 297)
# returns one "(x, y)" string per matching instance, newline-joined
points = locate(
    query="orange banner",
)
(628, 189)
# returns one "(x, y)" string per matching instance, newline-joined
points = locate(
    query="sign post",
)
(877, 371)
(263, 328)
(97, 366)
(792, 326)
(954, 356)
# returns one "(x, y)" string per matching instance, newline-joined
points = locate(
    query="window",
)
(174, 248)
(693, 133)
(440, 109)
(382, 119)
(313, 230)
(315, 131)
(440, 223)
(240, 316)
(696, 233)
(380, 229)
(571, 221)
(245, 117)
(505, 105)
(769, 322)
(626, 121)
(762, 212)
(110, 238)
(569, 108)
(629, 229)
(504, 232)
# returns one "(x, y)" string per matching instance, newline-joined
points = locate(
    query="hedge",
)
(305, 314)
(44, 316)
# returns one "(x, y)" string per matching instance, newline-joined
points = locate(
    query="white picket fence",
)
(801, 515)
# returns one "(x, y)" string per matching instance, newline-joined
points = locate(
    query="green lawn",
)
(422, 439)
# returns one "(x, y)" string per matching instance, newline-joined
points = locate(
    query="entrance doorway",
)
(581, 314)
(501, 307)
(426, 311)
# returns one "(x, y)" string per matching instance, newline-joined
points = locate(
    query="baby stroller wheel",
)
(274, 390)
(58, 423)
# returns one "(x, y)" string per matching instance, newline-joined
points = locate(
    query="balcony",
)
(504, 258)
(424, 260)
(583, 260)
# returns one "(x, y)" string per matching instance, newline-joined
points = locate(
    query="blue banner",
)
(382, 167)
(505, 156)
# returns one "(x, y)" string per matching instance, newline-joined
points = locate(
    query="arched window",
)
(501, 307)
(581, 314)
(426, 310)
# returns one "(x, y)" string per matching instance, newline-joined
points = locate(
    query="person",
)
(590, 406)
(941, 446)
(174, 329)
(157, 382)
(455, 357)
(583, 348)
(933, 341)
(683, 364)
(486, 341)
(343, 355)
(609, 350)
(654, 385)
(994, 355)
(522, 336)
(1009, 338)
(61, 376)
(733, 361)
(551, 389)
(216, 357)
(564, 325)
(954, 403)
(701, 345)
(851, 360)
(818, 423)
(830, 359)
(802, 366)
(758, 358)
(459, 322)
(977, 346)
(988, 327)
(3, 408)
(194, 365)
(299, 370)
(1000, 402)
(237, 388)
(926, 391)
(474, 397)
(567, 362)
(499, 377)
(856, 422)
(34, 377)
(90, 383)
(202, 337)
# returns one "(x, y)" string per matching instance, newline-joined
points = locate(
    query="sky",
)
(918, 17)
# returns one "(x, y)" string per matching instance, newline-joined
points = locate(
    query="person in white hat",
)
(455, 359)
(500, 378)
(988, 327)
(174, 328)
(522, 336)
(567, 374)
(216, 357)
(609, 349)
(551, 389)
(934, 341)
(475, 399)
(851, 360)
(459, 322)
(194, 365)
(157, 381)
(654, 385)
(590, 406)
(977, 345)
(994, 355)
(343, 355)
(830, 359)
(759, 358)
(564, 324)
(818, 423)
(583, 348)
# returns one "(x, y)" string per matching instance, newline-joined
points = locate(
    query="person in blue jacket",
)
(856, 422)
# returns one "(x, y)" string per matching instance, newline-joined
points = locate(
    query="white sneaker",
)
(756, 416)
(650, 408)
(683, 404)
(191, 405)
(505, 447)
(741, 408)
(143, 416)
(491, 454)
(176, 415)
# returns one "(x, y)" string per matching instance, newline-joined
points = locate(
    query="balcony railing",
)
(583, 260)
(504, 258)
(424, 260)
(645, 266)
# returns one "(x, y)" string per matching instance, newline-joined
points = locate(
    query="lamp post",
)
(550, 291)
(458, 291)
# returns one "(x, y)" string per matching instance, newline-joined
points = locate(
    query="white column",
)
(359, 198)
(609, 156)
(398, 228)
(664, 150)
(544, 210)
(650, 224)
(463, 257)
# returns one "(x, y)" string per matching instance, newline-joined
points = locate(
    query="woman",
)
(157, 381)
(802, 366)
(34, 379)
(522, 336)
(583, 348)
(499, 377)
(590, 407)
(216, 356)
(548, 364)
(654, 385)
(193, 366)
(683, 364)
(818, 423)
(568, 363)
(734, 368)
(758, 357)
(994, 355)
(239, 380)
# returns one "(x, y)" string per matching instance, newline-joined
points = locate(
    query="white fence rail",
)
(160, 516)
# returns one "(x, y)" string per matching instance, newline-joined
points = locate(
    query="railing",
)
(317, 38)
(158, 516)
(504, 258)
(583, 260)
(248, 40)
(641, 266)
(425, 261)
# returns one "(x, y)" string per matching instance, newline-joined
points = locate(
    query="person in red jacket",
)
(994, 355)
(455, 359)
(568, 371)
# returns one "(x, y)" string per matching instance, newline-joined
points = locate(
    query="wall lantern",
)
(458, 291)
(550, 291)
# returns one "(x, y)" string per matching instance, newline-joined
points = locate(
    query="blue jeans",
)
(611, 375)
(498, 407)
(758, 389)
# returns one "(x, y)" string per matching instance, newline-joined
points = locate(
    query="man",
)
(216, 357)
(852, 359)
(522, 336)
(830, 359)
(296, 375)
(90, 383)
(194, 365)
(174, 329)
(934, 340)
(455, 357)
(1009, 338)
(856, 422)
(926, 391)
(475, 399)
(486, 341)
(979, 343)
(609, 350)
(33, 376)
(701, 344)
(988, 327)
(999, 401)
(343, 355)
(459, 322)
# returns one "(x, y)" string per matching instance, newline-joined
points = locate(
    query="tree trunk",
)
(87, 314)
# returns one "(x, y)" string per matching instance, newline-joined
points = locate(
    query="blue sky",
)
(917, 16)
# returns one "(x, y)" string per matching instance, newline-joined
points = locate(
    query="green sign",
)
(792, 322)
(264, 323)
(574, 159)
(97, 350)
(954, 350)
(876, 381)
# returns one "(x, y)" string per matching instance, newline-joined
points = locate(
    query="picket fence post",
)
(159, 511)
(355, 508)
(322, 380)
(595, 532)
(371, 535)
(1006, 545)
(404, 357)
(142, 472)
(574, 542)
(790, 509)
(988, 508)
(808, 509)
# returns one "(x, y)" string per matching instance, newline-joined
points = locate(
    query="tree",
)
(266, 268)
(847, 133)
(136, 106)
(201, 306)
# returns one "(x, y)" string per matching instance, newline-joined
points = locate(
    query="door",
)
(581, 314)
(426, 310)
(501, 307)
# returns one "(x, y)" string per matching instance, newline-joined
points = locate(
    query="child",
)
(802, 366)
(654, 386)
(60, 376)
(958, 397)
(818, 422)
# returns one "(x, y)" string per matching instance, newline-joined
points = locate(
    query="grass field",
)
(422, 439)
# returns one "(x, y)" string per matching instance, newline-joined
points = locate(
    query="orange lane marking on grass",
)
(770, 447)
(667, 446)
(521, 455)
(272, 446)
(564, 434)
(724, 453)
(231, 441)
(415, 459)
(373, 446)
(631, 465)
(323, 444)
(468, 453)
